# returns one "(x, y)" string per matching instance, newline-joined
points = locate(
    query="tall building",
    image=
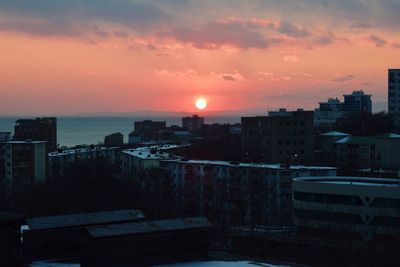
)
(148, 129)
(394, 97)
(39, 129)
(328, 113)
(22, 164)
(357, 102)
(194, 124)
(282, 137)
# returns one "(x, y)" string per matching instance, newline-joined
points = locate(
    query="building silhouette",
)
(39, 129)
(357, 102)
(282, 137)
(194, 124)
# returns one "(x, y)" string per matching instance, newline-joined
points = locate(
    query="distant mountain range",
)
(158, 113)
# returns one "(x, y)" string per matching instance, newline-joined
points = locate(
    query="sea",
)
(78, 130)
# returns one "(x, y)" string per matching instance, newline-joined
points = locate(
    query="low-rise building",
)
(369, 152)
(59, 160)
(142, 158)
(348, 207)
(240, 193)
(115, 139)
(50, 236)
(147, 243)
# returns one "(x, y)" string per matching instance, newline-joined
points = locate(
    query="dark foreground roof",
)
(83, 219)
(138, 228)
(6, 217)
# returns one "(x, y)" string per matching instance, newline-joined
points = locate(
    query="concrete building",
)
(23, 164)
(39, 129)
(115, 139)
(148, 129)
(357, 102)
(5, 136)
(394, 98)
(194, 124)
(142, 158)
(240, 193)
(325, 153)
(328, 113)
(369, 152)
(281, 137)
(348, 207)
(55, 235)
(147, 243)
(58, 161)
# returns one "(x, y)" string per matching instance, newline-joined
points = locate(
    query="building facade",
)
(115, 139)
(281, 137)
(348, 207)
(394, 98)
(328, 113)
(236, 193)
(357, 102)
(59, 161)
(22, 164)
(39, 129)
(194, 124)
(369, 152)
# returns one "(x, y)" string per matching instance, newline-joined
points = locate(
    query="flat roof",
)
(83, 219)
(24, 142)
(80, 150)
(252, 165)
(6, 216)
(136, 228)
(334, 133)
(359, 181)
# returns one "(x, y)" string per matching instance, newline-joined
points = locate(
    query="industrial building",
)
(146, 243)
(61, 235)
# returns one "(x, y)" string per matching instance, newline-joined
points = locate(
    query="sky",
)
(64, 57)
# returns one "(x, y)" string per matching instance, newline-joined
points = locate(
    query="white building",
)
(365, 208)
(138, 159)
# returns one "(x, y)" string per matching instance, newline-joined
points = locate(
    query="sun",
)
(201, 103)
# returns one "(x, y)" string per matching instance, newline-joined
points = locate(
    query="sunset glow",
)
(201, 103)
(144, 55)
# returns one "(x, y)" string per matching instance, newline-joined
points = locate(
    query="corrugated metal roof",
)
(83, 219)
(136, 228)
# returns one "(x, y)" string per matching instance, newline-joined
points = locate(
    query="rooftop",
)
(148, 227)
(25, 142)
(334, 133)
(83, 219)
(252, 165)
(359, 181)
(80, 150)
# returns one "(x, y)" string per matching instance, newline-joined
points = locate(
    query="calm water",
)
(91, 130)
